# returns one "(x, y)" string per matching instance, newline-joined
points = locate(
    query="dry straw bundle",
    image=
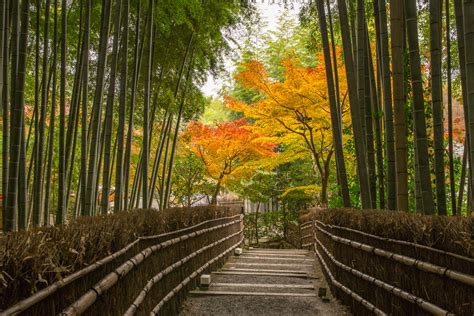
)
(401, 263)
(33, 260)
(453, 234)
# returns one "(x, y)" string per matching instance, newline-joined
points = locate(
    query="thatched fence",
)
(293, 234)
(150, 274)
(396, 263)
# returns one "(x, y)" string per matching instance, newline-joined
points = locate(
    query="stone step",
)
(295, 275)
(273, 259)
(264, 270)
(276, 266)
(209, 292)
(263, 279)
(254, 287)
(278, 255)
(231, 305)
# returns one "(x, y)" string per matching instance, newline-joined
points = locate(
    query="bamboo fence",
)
(306, 231)
(130, 267)
(389, 276)
(293, 234)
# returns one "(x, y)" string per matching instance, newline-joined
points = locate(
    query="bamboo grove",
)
(86, 83)
(396, 106)
(95, 94)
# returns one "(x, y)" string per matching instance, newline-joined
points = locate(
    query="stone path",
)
(265, 282)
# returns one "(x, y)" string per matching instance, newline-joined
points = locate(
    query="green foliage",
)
(189, 183)
(215, 113)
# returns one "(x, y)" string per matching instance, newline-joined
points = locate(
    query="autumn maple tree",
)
(295, 111)
(230, 150)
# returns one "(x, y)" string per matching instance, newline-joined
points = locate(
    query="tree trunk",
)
(468, 15)
(17, 114)
(437, 102)
(4, 26)
(374, 100)
(462, 181)
(336, 71)
(92, 175)
(369, 121)
(387, 105)
(138, 52)
(217, 191)
(38, 187)
(146, 108)
(52, 122)
(109, 112)
(62, 211)
(119, 174)
(256, 222)
(355, 110)
(334, 108)
(396, 28)
(165, 160)
(85, 200)
(450, 111)
(178, 122)
(361, 68)
(419, 122)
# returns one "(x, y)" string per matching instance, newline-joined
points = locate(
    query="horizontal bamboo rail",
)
(48, 291)
(139, 299)
(182, 230)
(170, 295)
(86, 300)
(304, 228)
(400, 242)
(420, 265)
(345, 289)
(425, 305)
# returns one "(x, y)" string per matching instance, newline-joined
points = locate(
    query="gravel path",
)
(265, 282)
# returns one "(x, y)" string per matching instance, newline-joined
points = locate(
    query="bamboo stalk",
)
(425, 305)
(420, 265)
(401, 242)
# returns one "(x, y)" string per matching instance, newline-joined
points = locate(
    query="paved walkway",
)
(265, 282)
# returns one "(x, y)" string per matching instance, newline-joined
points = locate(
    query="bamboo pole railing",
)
(416, 285)
(90, 297)
(369, 306)
(400, 242)
(53, 288)
(193, 275)
(425, 305)
(139, 299)
(306, 230)
(420, 265)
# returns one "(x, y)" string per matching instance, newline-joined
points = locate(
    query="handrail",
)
(189, 278)
(420, 265)
(44, 293)
(188, 228)
(397, 241)
(427, 306)
(348, 291)
(141, 297)
(86, 300)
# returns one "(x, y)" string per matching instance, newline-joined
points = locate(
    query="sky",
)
(269, 10)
